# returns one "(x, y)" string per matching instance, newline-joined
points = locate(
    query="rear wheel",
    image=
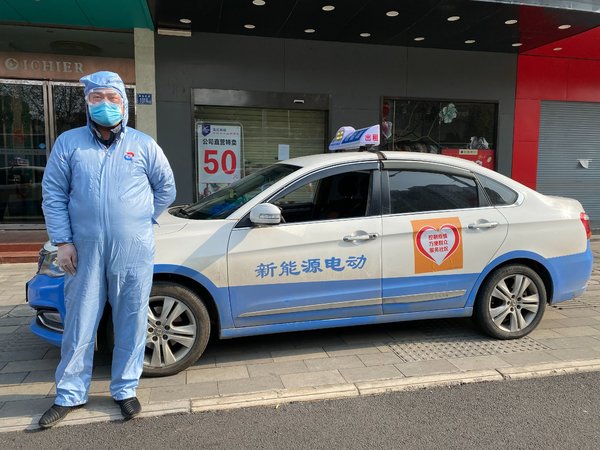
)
(178, 330)
(511, 302)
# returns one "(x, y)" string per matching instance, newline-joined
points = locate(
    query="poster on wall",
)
(219, 156)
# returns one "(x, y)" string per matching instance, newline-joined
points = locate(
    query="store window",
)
(456, 128)
(32, 115)
(22, 151)
(234, 142)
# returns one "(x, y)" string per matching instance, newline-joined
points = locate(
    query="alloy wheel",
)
(171, 332)
(514, 303)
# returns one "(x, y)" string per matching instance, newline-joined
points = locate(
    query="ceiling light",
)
(328, 8)
(259, 2)
(174, 32)
(511, 22)
(365, 34)
(249, 26)
(310, 30)
(557, 49)
(186, 21)
(420, 38)
(517, 44)
(392, 13)
(470, 41)
(564, 27)
(453, 18)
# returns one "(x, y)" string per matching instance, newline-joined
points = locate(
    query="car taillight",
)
(585, 220)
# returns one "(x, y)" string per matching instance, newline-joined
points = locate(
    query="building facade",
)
(226, 91)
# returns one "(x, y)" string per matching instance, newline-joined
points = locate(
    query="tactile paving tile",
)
(442, 347)
(21, 341)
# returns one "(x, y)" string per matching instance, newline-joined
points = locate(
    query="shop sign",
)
(219, 154)
(39, 66)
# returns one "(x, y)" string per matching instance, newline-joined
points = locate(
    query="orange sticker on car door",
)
(437, 244)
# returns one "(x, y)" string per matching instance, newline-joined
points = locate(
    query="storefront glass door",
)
(23, 151)
(69, 108)
(32, 115)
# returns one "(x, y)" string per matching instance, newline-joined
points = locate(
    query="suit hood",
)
(105, 79)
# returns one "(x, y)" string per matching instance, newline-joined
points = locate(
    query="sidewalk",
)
(269, 370)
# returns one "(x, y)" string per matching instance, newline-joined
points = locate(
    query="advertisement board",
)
(219, 155)
(483, 157)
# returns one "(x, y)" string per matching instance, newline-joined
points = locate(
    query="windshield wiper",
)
(182, 213)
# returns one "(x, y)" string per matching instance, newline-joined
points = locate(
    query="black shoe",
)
(55, 414)
(130, 407)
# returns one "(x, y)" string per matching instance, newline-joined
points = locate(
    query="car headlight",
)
(47, 264)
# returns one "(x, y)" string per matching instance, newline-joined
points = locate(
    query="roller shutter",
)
(263, 129)
(569, 141)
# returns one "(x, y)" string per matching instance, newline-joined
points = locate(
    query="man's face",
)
(105, 95)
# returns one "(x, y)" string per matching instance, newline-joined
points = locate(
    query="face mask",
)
(106, 114)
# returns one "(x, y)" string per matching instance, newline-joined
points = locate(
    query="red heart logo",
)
(438, 244)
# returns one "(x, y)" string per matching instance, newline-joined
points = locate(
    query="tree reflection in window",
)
(428, 125)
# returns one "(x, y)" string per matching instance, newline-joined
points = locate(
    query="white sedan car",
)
(350, 238)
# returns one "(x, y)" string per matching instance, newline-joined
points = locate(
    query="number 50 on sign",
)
(219, 150)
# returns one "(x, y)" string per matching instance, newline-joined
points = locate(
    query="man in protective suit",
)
(103, 188)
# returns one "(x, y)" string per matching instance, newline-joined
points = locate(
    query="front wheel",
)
(511, 302)
(178, 330)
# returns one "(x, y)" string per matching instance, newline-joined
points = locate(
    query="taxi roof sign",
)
(347, 138)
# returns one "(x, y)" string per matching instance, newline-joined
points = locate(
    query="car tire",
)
(511, 302)
(175, 339)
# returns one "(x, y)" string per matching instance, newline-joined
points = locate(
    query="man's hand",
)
(67, 258)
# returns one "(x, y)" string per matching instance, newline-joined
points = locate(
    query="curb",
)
(329, 392)
(550, 369)
(275, 397)
(416, 383)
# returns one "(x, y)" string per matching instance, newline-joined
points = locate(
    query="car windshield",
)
(222, 203)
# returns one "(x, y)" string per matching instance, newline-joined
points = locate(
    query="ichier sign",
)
(219, 151)
(437, 244)
(40, 66)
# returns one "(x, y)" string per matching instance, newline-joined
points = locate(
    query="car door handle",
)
(483, 225)
(361, 237)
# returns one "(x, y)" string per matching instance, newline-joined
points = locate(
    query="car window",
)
(225, 201)
(418, 191)
(339, 196)
(498, 193)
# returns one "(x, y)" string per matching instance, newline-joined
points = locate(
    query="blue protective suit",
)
(104, 201)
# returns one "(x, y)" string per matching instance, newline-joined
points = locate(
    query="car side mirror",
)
(265, 214)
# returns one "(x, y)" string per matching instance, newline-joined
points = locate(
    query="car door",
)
(439, 233)
(323, 262)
